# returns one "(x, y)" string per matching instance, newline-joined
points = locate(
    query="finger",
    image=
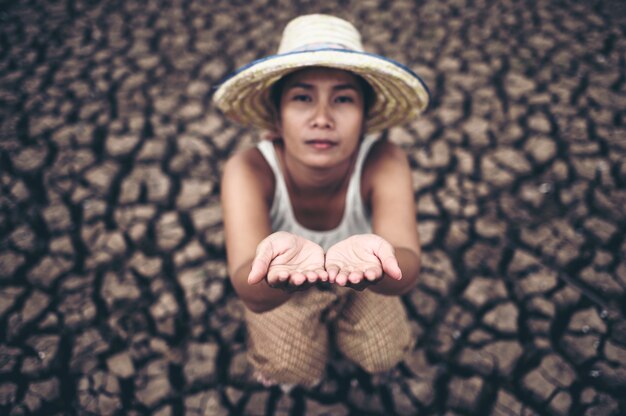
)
(275, 278)
(311, 276)
(322, 275)
(392, 268)
(332, 271)
(355, 277)
(372, 274)
(387, 257)
(341, 279)
(258, 271)
(297, 278)
(261, 262)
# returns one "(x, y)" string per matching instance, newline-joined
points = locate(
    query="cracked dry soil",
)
(114, 297)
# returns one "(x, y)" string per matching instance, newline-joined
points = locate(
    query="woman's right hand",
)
(286, 259)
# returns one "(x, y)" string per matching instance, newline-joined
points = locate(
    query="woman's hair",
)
(369, 96)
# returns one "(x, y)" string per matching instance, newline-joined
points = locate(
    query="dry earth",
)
(114, 297)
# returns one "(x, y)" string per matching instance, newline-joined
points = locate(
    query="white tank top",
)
(355, 218)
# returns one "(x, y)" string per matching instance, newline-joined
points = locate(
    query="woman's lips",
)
(321, 144)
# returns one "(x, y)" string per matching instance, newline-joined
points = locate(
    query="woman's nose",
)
(322, 117)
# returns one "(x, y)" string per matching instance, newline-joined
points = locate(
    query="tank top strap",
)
(280, 211)
(266, 148)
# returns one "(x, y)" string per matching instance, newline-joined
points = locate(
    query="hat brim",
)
(400, 93)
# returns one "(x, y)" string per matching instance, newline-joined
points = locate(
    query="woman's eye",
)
(301, 97)
(344, 99)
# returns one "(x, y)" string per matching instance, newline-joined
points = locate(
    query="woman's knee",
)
(381, 358)
(302, 368)
(290, 358)
(377, 351)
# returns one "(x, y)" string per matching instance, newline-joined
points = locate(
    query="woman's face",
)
(321, 116)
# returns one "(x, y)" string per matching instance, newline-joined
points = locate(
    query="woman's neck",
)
(304, 180)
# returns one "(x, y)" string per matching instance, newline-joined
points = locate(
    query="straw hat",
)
(327, 41)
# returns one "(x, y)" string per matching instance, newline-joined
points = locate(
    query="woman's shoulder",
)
(383, 157)
(250, 158)
(248, 166)
(385, 163)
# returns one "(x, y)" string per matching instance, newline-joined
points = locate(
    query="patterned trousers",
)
(290, 344)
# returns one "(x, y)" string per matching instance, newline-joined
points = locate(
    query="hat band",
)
(322, 45)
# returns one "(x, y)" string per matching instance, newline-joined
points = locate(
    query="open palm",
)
(359, 258)
(286, 258)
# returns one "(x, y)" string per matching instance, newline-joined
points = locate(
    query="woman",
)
(320, 223)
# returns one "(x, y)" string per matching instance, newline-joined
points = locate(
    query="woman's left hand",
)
(359, 259)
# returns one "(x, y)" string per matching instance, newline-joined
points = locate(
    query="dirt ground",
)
(114, 295)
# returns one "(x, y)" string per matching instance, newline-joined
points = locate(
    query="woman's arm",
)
(245, 192)
(386, 261)
(264, 268)
(387, 176)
